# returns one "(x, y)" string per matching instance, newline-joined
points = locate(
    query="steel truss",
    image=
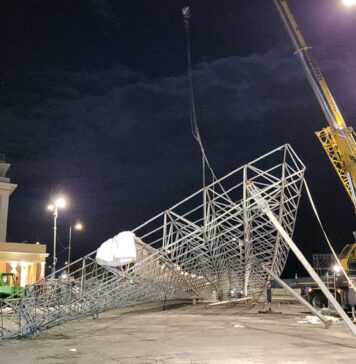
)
(323, 263)
(209, 245)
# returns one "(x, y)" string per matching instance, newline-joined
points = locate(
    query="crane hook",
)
(186, 14)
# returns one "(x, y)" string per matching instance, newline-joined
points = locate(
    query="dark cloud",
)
(103, 8)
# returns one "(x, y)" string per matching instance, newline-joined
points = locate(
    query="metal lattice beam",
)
(212, 243)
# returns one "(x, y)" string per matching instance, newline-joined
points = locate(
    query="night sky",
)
(95, 105)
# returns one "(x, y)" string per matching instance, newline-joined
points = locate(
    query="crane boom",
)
(338, 140)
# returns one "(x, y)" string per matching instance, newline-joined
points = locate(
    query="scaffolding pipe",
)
(298, 297)
(264, 207)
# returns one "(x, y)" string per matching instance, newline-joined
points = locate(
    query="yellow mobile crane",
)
(338, 140)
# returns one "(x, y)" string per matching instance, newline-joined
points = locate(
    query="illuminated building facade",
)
(27, 261)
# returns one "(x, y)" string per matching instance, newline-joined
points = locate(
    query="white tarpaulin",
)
(117, 251)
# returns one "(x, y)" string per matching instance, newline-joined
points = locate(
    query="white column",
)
(23, 280)
(42, 273)
(6, 188)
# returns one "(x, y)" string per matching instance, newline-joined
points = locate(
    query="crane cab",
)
(348, 258)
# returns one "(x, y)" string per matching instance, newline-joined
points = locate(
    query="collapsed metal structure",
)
(215, 242)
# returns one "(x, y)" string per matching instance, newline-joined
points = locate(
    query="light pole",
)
(77, 226)
(336, 270)
(58, 203)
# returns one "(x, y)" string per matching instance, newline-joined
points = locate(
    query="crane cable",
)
(349, 281)
(193, 118)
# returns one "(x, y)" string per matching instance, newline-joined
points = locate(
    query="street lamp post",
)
(77, 226)
(55, 215)
(69, 245)
(336, 271)
(58, 203)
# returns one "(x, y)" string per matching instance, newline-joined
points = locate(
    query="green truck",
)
(8, 285)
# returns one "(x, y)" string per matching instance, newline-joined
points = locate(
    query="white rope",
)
(349, 281)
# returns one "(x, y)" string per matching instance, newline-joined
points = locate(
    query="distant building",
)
(27, 261)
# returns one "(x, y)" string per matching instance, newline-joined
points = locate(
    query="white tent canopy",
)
(117, 251)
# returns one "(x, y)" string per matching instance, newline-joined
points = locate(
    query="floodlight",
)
(60, 202)
(349, 2)
(78, 226)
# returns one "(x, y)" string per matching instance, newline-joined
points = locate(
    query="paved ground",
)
(188, 334)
